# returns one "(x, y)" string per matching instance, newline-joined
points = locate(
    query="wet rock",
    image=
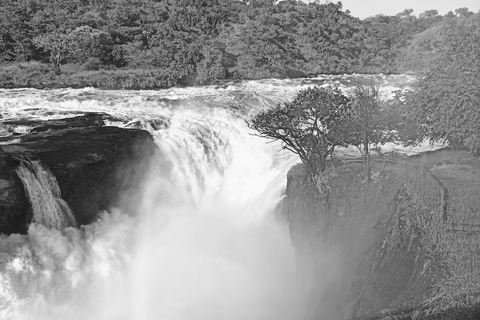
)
(14, 208)
(92, 119)
(96, 167)
(150, 124)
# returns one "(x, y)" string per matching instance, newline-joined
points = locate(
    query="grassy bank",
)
(42, 76)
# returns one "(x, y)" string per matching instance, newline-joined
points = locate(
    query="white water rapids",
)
(204, 244)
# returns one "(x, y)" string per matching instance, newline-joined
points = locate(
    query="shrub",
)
(92, 64)
(28, 74)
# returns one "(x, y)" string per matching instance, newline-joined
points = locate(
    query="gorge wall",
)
(363, 254)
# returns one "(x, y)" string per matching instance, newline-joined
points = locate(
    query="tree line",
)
(203, 41)
(443, 105)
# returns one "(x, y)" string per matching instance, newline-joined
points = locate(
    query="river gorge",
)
(152, 205)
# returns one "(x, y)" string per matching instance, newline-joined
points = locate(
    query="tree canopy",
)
(312, 125)
(446, 100)
(369, 125)
(203, 41)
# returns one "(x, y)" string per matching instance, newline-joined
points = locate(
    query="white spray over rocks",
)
(41, 186)
(204, 243)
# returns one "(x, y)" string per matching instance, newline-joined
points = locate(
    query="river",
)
(205, 242)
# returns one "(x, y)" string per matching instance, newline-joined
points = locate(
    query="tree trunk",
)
(366, 157)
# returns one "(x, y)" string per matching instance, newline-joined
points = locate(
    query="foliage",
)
(446, 99)
(400, 120)
(369, 124)
(214, 63)
(312, 125)
(58, 44)
(454, 242)
(25, 74)
(38, 75)
(263, 50)
(62, 45)
(203, 41)
(417, 55)
(331, 41)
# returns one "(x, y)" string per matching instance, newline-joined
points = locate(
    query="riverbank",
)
(43, 76)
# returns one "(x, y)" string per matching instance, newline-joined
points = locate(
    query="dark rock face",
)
(14, 206)
(362, 254)
(395, 271)
(95, 167)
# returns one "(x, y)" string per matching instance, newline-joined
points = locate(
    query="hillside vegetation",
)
(162, 43)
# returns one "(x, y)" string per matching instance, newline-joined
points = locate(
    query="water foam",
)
(203, 245)
(41, 186)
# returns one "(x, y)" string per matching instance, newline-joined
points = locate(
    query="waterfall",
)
(43, 192)
(214, 250)
(204, 243)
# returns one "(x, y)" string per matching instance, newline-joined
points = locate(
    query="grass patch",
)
(38, 75)
(28, 74)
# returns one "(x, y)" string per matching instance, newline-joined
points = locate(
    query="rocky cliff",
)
(96, 166)
(363, 253)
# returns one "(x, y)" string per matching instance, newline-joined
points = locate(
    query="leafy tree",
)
(197, 15)
(204, 40)
(387, 35)
(263, 49)
(62, 45)
(312, 125)
(463, 12)
(214, 64)
(368, 124)
(430, 13)
(417, 55)
(16, 32)
(91, 44)
(405, 13)
(330, 40)
(446, 99)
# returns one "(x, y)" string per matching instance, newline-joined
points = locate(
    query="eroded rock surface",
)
(96, 166)
(363, 254)
(396, 271)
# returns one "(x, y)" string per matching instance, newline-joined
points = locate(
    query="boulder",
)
(97, 167)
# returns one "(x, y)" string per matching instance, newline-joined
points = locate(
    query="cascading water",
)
(213, 250)
(45, 196)
(204, 243)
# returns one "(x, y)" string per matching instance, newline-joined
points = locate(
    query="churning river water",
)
(203, 244)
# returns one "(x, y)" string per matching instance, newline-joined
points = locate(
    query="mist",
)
(203, 243)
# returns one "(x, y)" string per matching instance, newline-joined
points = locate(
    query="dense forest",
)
(161, 43)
